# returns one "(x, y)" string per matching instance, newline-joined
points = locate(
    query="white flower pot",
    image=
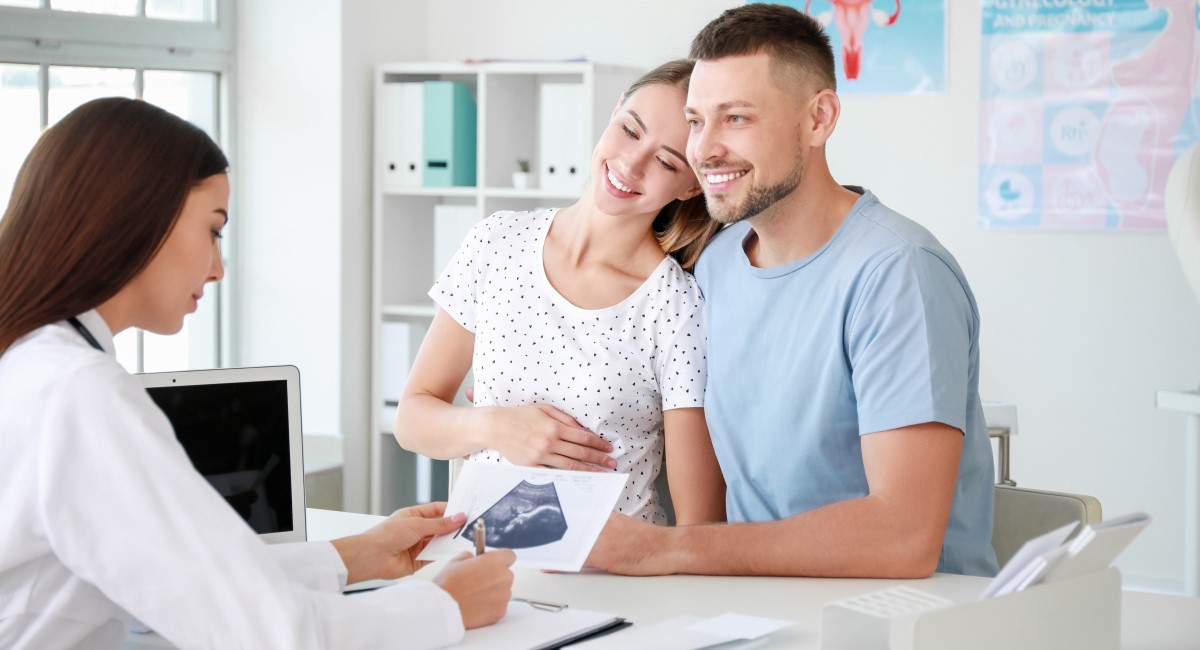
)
(522, 180)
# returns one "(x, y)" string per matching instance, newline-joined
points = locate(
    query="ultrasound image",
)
(529, 515)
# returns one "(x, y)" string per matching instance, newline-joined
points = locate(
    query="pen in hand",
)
(479, 531)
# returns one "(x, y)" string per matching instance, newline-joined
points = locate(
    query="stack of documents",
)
(1050, 557)
(1097, 545)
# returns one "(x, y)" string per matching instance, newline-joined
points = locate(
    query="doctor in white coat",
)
(114, 222)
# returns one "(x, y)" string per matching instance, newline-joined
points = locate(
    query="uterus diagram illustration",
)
(1134, 143)
(850, 18)
(528, 515)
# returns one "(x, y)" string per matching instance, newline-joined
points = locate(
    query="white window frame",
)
(45, 37)
(72, 27)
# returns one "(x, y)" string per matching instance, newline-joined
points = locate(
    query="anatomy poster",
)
(1085, 106)
(550, 518)
(884, 46)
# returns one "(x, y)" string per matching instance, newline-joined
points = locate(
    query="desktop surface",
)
(1148, 621)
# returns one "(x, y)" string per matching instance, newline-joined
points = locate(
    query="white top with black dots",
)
(615, 370)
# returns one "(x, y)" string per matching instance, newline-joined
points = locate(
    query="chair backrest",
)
(1022, 514)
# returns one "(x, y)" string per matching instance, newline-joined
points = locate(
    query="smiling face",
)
(171, 285)
(638, 166)
(747, 138)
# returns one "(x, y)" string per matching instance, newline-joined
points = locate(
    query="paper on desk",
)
(549, 517)
(690, 633)
(1098, 545)
(739, 626)
(1015, 573)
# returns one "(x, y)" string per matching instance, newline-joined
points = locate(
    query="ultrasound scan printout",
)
(550, 518)
(529, 515)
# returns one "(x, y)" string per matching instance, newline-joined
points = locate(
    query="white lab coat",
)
(104, 519)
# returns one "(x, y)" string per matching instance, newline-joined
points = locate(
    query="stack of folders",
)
(1050, 557)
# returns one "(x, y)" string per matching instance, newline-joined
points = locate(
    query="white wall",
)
(624, 32)
(1079, 330)
(372, 32)
(289, 195)
(304, 116)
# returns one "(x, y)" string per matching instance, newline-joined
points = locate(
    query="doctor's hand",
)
(389, 550)
(482, 586)
(541, 435)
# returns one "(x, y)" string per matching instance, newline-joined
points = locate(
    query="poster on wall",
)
(884, 46)
(1085, 105)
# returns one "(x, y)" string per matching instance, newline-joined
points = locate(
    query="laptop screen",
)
(238, 436)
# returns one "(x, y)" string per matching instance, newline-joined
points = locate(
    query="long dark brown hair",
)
(683, 228)
(92, 204)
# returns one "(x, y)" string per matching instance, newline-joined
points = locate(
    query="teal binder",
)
(449, 134)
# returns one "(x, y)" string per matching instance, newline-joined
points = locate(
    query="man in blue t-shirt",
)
(843, 343)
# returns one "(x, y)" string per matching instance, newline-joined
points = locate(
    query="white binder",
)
(396, 354)
(400, 158)
(563, 141)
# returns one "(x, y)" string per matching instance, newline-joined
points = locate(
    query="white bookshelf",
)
(508, 105)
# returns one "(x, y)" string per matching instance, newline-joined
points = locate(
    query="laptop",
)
(241, 430)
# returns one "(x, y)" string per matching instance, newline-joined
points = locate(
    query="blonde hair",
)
(683, 228)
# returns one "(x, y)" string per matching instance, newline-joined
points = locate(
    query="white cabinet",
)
(547, 113)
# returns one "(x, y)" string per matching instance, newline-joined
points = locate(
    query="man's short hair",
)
(789, 37)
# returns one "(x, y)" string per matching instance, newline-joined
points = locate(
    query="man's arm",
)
(896, 531)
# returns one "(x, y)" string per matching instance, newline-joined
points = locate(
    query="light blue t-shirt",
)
(877, 330)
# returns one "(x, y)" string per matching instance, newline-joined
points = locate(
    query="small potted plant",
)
(522, 179)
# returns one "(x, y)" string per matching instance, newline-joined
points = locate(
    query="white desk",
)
(1148, 621)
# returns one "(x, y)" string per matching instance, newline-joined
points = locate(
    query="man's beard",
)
(758, 199)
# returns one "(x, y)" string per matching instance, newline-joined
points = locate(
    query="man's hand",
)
(482, 586)
(390, 549)
(634, 548)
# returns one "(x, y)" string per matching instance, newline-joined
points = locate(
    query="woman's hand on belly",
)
(541, 435)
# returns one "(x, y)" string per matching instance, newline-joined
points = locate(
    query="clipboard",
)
(526, 627)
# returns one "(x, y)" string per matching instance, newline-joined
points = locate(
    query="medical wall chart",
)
(884, 46)
(1085, 105)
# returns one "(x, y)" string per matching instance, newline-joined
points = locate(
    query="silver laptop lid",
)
(241, 429)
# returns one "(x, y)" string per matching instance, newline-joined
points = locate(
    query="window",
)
(20, 119)
(113, 7)
(58, 54)
(186, 10)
